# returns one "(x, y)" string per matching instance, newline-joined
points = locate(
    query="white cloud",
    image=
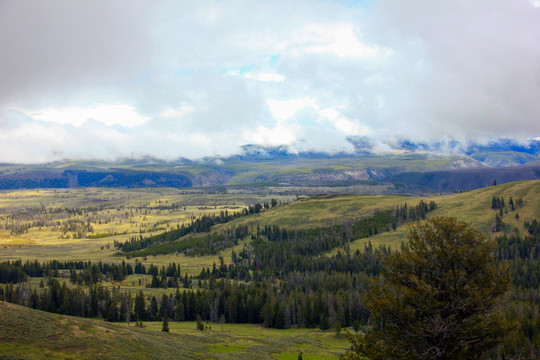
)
(283, 110)
(335, 39)
(177, 113)
(121, 114)
(196, 79)
(279, 135)
(265, 76)
(343, 124)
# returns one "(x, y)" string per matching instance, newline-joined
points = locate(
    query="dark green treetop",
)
(440, 298)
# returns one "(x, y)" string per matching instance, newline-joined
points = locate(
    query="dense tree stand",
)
(442, 298)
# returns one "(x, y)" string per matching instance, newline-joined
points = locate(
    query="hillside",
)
(164, 208)
(293, 265)
(407, 170)
(472, 206)
(32, 334)
(463, 179)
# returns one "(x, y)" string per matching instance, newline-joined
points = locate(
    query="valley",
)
(76, 228)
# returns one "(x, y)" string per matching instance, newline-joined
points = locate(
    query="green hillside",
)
(469, 206)
(278, 265)
(473, 206)
(31, 334)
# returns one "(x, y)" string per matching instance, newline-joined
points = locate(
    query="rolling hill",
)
(28, 333)
(32, 334)
(410, 167)
(472, 206)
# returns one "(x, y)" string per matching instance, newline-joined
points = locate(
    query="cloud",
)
(118, 114)
(282, 110)
(474, 64)
(196, 79)
(51, 51)
(334, 39)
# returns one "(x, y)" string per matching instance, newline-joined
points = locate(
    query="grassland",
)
(473, 207)
(131, 212)
(120, 213)
(30, 334)
(35, 224)
(123, 213)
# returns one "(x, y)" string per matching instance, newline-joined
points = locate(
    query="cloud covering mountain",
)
(85, 79)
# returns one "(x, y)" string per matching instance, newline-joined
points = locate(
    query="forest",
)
(278, 277)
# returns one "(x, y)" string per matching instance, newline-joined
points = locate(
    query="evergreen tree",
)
(441, 298)
(356, 325)
(140, 307)
(222, 321)
(165, 327)
(200, 325)
(337, 328)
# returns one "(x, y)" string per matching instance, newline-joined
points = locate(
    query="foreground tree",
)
(441, 298)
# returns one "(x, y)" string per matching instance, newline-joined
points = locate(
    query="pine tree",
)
(165, 327)
(200, 325)
(337, 327)
(442, 298)
(140, 307)
(222, 321)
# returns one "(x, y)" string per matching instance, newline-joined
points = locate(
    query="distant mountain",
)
(496, 153)
(419, 166)
(464, 179)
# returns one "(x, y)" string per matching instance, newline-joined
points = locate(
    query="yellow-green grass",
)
(150, 197)
(31, 334)
(123, 213)
(324, 210)
(473, 207)
(243, 339)
(45, 244)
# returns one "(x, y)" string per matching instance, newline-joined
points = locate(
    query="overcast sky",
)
(108, 79)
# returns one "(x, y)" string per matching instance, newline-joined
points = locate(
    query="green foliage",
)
(522, 253)
(197, 226)
(441, 298)
(165, 326)
(337, 328)
(200, 325)
(356, 325)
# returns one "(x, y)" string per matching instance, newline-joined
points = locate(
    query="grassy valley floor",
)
(31, 334)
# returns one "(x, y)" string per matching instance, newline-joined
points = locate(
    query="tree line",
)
(282, 279)
(197, 226)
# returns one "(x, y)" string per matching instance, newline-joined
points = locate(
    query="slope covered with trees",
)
(443, 297)
(284, 273)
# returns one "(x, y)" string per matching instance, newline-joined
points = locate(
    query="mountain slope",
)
(26, 333)
(464, 179)
(31, 334)
(472, 206)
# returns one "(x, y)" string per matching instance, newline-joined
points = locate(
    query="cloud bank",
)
(172, 79)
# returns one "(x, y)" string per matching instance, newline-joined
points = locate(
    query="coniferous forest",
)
(281, 278)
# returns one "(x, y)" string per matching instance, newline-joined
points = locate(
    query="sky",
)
(170, 79)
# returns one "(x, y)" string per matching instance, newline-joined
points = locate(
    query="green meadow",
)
(118, 214)
(30, 334)
(82, 224)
